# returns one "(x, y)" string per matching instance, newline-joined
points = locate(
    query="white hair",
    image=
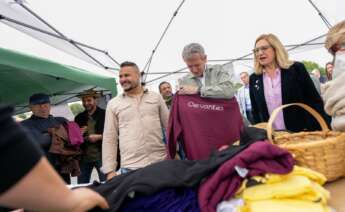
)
(192, 48)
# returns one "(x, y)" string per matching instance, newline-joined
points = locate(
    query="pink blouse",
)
(273, 96)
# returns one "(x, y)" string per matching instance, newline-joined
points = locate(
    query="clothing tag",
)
(241, 171)
(131, 194)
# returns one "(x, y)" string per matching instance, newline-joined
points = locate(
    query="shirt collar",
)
(37, 117)
(145, 92)
(277, 71)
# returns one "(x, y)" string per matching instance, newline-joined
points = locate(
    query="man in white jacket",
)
(333, 91)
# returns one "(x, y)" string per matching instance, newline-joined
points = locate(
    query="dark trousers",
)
(86, 170)
(250, 116)
(53, 159)
(66, 178)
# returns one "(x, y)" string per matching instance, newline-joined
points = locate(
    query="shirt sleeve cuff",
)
(108, 168)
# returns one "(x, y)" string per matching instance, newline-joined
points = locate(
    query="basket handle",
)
(313, 112)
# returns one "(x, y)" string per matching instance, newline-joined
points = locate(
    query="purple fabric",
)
(74, 133)
(258, 159)
(273, 96)
(202, 124)
(174, 200)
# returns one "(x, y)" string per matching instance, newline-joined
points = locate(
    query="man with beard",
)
(166, 91)
(133, 122)
(91, 122)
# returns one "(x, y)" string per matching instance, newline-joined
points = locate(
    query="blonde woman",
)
(278, 81)
(334, 91)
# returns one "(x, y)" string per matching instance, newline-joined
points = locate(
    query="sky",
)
(130, 29)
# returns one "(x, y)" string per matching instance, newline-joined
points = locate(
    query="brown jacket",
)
(68, 155)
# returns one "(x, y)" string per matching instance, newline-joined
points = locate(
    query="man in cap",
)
(91, 122)
(39, 123)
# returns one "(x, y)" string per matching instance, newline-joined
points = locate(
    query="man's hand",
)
(83, 130)
(85, 199)
(93, 138)
(111, 175)
(223, 147)
(188, 90)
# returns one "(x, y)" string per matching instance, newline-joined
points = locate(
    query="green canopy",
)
(22, 75)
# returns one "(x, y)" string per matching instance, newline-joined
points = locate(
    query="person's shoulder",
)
(297, 66)
(241, 89)
(27, 122)
(60, 119)
(254, 76)
(298, 69)
(215, 68)
(83, 113)
(118, 102)
(100, 110)
(186, 76)
(116, 99)
(153, 94)
(186, 79)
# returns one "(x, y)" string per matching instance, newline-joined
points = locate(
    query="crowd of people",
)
(140, 127)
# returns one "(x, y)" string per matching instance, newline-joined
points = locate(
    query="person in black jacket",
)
(278, 81)
(28, 180)
(91, 122)
(39, 124)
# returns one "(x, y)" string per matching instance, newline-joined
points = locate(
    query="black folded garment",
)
(170, 173)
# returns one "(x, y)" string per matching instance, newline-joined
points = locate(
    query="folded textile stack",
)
(300, 190)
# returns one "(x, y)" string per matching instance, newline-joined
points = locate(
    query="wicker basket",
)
(263, 125)
(322, 151)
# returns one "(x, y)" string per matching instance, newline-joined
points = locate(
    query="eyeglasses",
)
(337, 47)
(261, 48)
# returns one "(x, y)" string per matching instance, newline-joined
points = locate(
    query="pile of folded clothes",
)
(226, 176)
(300, 190)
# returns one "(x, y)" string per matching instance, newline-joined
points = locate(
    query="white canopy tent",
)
(130, 30)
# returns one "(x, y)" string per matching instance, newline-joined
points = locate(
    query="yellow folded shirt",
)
(291, 187)
(299, 190)
(297, 170)
(283, 205)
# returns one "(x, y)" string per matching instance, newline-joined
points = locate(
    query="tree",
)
(76, 108)
(310, 66)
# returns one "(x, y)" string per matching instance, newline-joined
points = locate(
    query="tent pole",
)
(51, 34)
(166, 75)
(324, 19)
(107, 53)
(53, 28)
(161, 38)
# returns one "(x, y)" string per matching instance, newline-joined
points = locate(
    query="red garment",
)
(259, 158)
(74, 133)
(202, 125)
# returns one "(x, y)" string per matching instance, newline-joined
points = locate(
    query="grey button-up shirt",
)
(136, 123)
